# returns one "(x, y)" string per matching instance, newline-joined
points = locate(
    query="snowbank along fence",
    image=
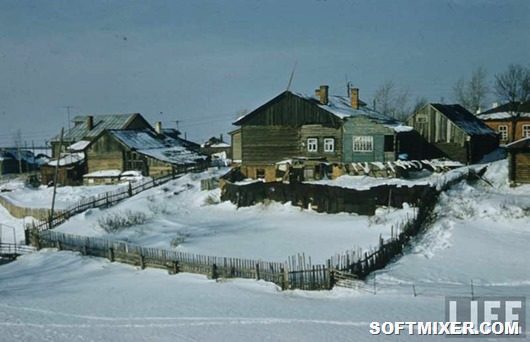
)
(304, 277)
(21, 212)
(296, 273)
(106, 199)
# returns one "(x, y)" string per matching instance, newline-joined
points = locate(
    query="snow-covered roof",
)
(79, 146)
(501, 115)
(68, 159)
(163, 148)
(463, 119)
(219, 145)
(103, 174)
(340, 106)
(521, 143)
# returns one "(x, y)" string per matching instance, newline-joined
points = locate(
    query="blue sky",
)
(201, 62)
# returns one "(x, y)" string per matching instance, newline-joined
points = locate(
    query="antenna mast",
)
(292, 75)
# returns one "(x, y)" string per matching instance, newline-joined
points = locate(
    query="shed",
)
(451, 131)
(519, 161)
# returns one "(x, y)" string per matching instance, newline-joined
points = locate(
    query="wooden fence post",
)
(257, 271)
(142, 261)
(111, 254)
(58, 244)
(214, 273)
(129, 190)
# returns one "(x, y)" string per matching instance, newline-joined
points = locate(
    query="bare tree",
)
(513, 85)
(392, 100)
(419, 103)
(472, 93)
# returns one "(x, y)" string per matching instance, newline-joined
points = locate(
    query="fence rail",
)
(11, 250)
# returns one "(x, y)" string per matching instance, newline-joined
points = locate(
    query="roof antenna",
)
(292, 75)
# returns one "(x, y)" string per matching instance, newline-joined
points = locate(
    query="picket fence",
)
(297, 272)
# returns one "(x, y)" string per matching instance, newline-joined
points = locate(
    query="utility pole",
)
(55, 176)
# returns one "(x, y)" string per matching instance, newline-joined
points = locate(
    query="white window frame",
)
(329, 145)
(312, 144)
(525, 130)
(363, 143)
(503, 132)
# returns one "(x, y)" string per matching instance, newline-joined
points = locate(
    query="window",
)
(526, 131)
(260, 173)
(329, 145)
(312, 145)
(421, 119)
(503, 132)
(363, 143)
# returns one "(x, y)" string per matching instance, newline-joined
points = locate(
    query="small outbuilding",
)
(519, 161)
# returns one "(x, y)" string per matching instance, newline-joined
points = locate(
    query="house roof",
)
(68, 159)
(101, 122)
(161, 147)
(506, 111)
(463, 119)
(519, 144)
(340, 106)
(79, 146)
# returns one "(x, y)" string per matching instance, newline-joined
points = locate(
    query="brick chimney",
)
(89, 122)
(354, 98)
(322, 94)
(158, 127)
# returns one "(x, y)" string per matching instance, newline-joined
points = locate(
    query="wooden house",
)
(144, 150)
(316, 131)
(451, 131)
(71, 166)
(510, 120)
(88, 127)
(519, 161)
(70, 170)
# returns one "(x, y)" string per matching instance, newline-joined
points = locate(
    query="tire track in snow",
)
(186, 321)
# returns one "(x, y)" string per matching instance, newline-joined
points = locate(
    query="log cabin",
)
(153, 153)
(314, 131)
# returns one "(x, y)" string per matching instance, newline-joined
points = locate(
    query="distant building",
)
(218, 150)
(451, 131)
(519, 161)
(8, 163)
(88, 127)
(316, 131)
(510, 120)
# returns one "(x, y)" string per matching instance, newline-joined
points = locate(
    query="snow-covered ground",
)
(41, 197)
(480, 235)
(179, 213)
